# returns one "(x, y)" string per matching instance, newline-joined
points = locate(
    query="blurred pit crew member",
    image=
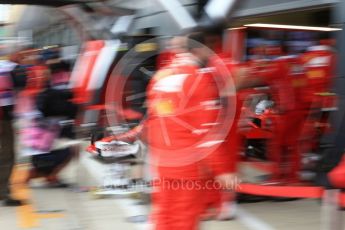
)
(183, 106)
(293, 111)
(319, 63)
(296, 91)
(286, 77)
(233, 78)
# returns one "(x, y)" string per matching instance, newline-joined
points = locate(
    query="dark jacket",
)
(56, 103)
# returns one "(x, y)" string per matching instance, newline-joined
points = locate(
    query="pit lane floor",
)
(74, 209)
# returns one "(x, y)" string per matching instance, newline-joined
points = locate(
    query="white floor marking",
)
(243, 216)
(252, 222)
(130, 209)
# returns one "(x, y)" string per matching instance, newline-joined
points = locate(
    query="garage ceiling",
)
(53, 3)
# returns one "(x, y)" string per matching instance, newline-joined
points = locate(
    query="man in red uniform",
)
(288, 89)
(319, 63)
(219, 203)
(183, 110)
(287, 80)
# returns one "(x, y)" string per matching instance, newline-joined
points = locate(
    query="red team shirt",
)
(183, 107)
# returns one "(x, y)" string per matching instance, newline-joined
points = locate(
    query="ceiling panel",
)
(53, 3)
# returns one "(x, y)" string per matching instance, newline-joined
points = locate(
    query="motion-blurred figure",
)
(7, 155)
(319, 62)
(220, 203)
(36, 75)
(55, 106)
(287, 88)
(180, 207)
(182, 150)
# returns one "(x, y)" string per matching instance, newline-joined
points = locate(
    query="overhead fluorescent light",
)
(292, 27)
(237, 28)
(122, 24)
(5, 12)
(219, 9)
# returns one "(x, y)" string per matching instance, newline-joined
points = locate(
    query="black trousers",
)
(7, 156)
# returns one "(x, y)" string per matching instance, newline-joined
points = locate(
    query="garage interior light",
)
(293, 27)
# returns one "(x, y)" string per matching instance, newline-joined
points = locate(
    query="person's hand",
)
(91, 149)
(228, 181)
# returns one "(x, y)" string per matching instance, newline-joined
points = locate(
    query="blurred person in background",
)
(38, 72)
(37, 75)
(287, 76)
(231, 79)
(273, 68)
(10, 81)
(286, 80)
(57, 110)
(219, 203)
(319, 62)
